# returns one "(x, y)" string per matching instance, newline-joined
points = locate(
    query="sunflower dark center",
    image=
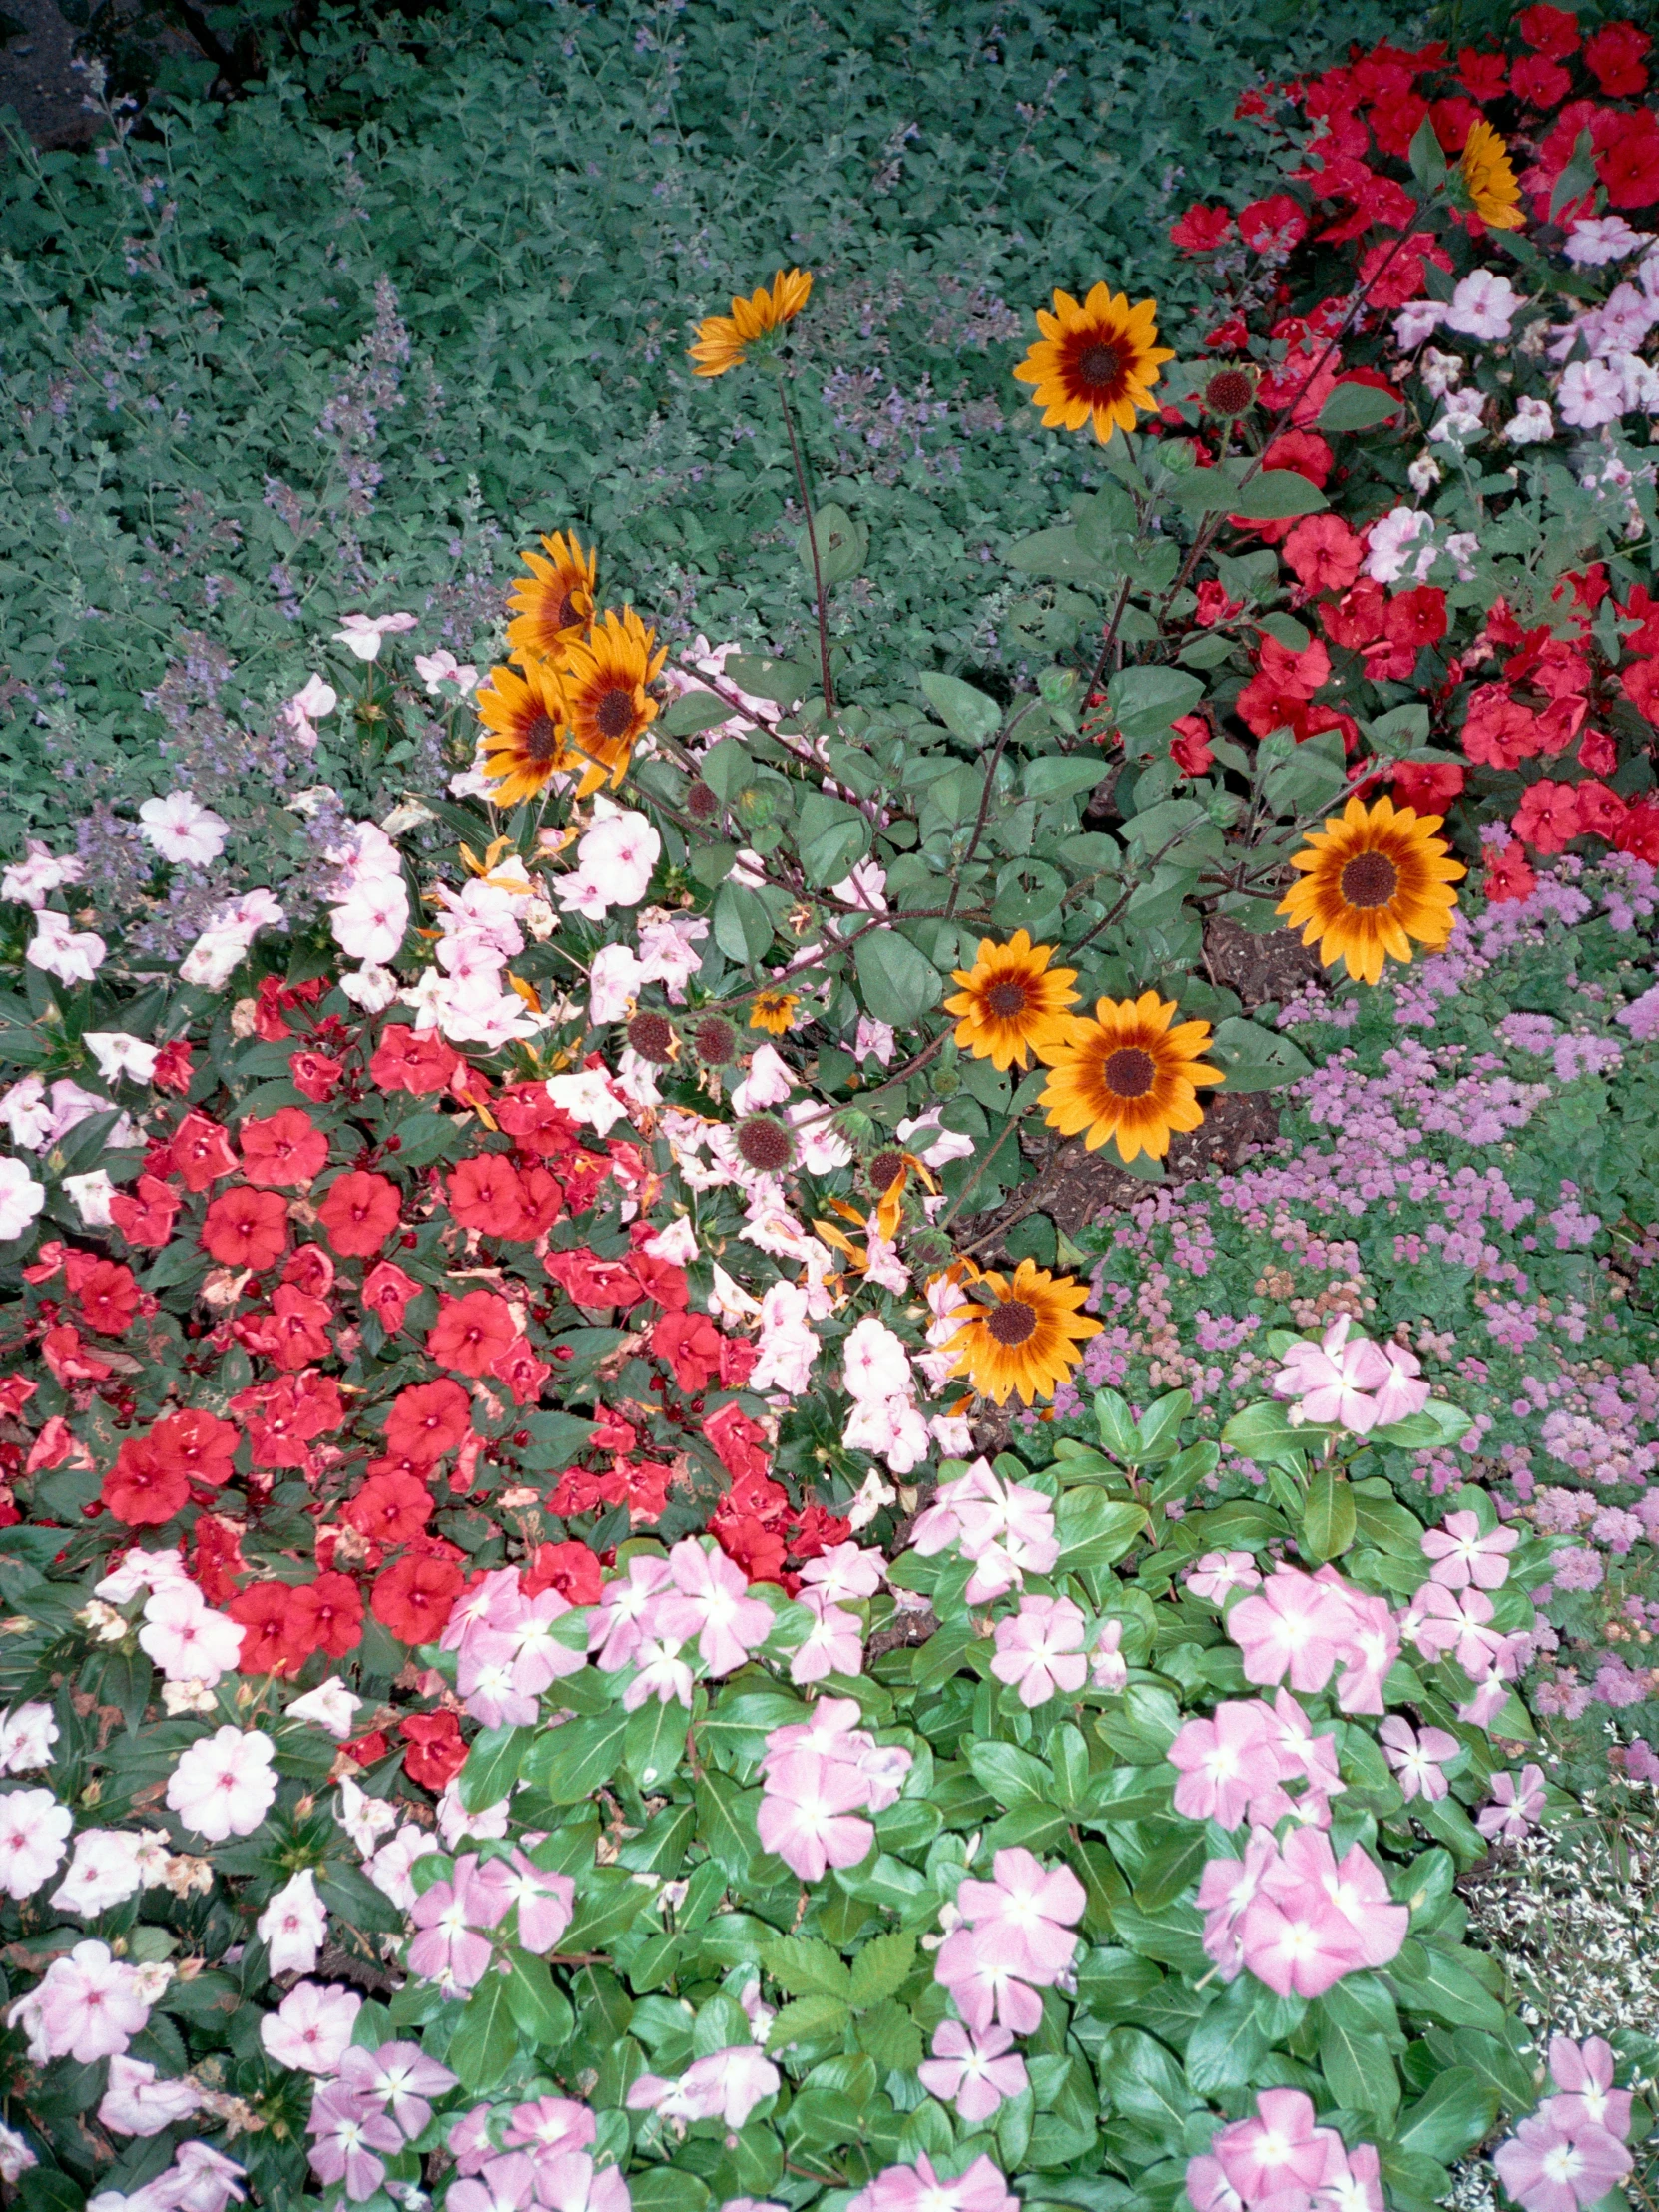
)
(1006, 999)
(1099, 365)
(764, 1145)
(541, 737)
(652, 1037)
(716, 1040)
(615, 713)
(1130, 1072)
(1012, 1323)
(701, 803)
(1369, 880)
(567, 613)
(884, 1167)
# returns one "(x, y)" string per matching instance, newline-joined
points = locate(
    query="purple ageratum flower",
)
(400, 2077)
(349, 2128)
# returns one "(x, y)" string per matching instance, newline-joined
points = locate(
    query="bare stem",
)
(812, 542)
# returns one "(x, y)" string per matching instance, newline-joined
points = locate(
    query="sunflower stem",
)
(812, 543)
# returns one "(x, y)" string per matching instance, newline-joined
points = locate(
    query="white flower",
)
(454, 1821)
(614, 981)
(370, 988)
(72, 956)
(865, 887)
(369, 923)
(187, 1639)
(874, 1362)
(25, 1112)
(388, 1869)
(1440, 372)
(1620, 324)
(821, 1150)
(1596, 240)
(875, 1041)
(34, 1829)
(21, 1199)
(365, 635)
(312, 2027)
(224, 1786)
(945, 1146)
(1591, 394)
(1461, 423)
(295, 1924)
(676, 1243)
(748, 871)
(15, 2156)
(180, 830)
(136, 2103)
(789, 1343)
(314, 702)
(437, 669)
(667, 950)
(1531, 424)
(1424, 474)
(222, 945)
(1640, 385)
(1400, 527)
(330, 1706)
(1483, 306)
(27, 1735)
(615, 859)
(364, 1819)
(587, 1098)
(29, 882)
(728, 1301)
(891, 1428)
(1416, 321)
(873, 1493)
(768, 1083)
(144, 1570)
(91, 1193)
(103, 1871)
(119, 1055)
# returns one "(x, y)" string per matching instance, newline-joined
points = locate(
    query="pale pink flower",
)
(1442, 1620)
(834, 1644)
(1401, 1393)
(1462, 1554)
(312, 2027)
(365, 635)
(728, 2084)
(1355, 1884)
(1584, 2073)
(502, 2184)
(181, 830)
(1225, 1889)
(709, 1601)
(1548, 2170)
(1278, 2148)
(974, 1968)
(186, 1638)
(224, 1784)
(136, 2103)
(401, 2077)
(1039, 1650)
(769, 1082)
(1109, 1670)
(546, 1903)
(845, 1570)
(614, 1628)
(875, 1366)
(437, 669)
(1416, 1759)
(103, 1871)
(295, 1924)
(1224, 1762)
(1302, 1753)
(807, 1814)
(974, 2073)
(551, 2125)
(34, 1830)
(1367, 1651)
(1029, 1910)
(202, 2179)
(1330, 1379)
(88, 2006)
(920, 2188)
(348, 2130)
(660, 1672)
(1352, 2183)
(1220, 1571)
(1515, 1807)
(1297, 1942)
(1293, 1623)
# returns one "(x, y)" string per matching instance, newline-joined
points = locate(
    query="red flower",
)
(107, 1291)
(570, 1568)
(1393, 277)
(1550, 31)
(293, 1333)
(471, 1332)
(370, 1750)
(317, 1074)
(521, 1370)
(648, 1487)
(745, 1540)
(1638, 832)
(1484, 76)
(275, 998)
(173, 1067)
(1417, 618)
(310, 1270)
(591, 1280)
(428, 1421)
(15, 1392)
(1214, 605)
(246, 1229)
(200, 1152)
(270, 1625)
(328, 1615)
(436, 1753)
(1427, 787)
(1201, 229)
(661, 1279)
(359, 1213)
(1539, 82)
(1641, 687)
(489, 1194)
(391, 1508)
(1499, 731)
(1597, 752)
(68, 1357)
(1284, 683)
(405, 1060)
(196, 1442)
(144, 1487)
(1600, 811)
(1630, 166)
(1189, 748)
(1614, 58)
(534, 1123)
(145, 1214)
(1396, 120)
(415, 1597)
(1324, 552)
(690, 1344)
(584, 1491)
(738, 1441)
(1453, 119)
(1548, 816)
(1274, 224)
(218, 1560)
(284, 1417)
(1357, 619)
(283, 1150)
(387, 1292)
(1303, 450)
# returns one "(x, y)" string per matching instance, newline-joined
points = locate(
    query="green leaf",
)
(570, 1763)
(542, 2012)
(1147, 2086)
(492, 1766)
(1428, 160)
(1437, 1424)
(1359, 2068)
(1174, 1866)
(1228, 2043)
(725, 1821)
(45, 2189)
(1328, 1523)
(1456, 2114)
(807, 1967)
(1254, 1058)
(667, 2189)
(843, 544)
(891, 2037)
(897, 984)
(654, 1741)
(1578, 178)
(1263, 1433)
(1095, 1530)
(1355, 407)
(831, 837)
(694, 711)
(1014, 1777)
(1445, 1990)
(1060, 776)
(485, 2037)
(1144, 701)
(965, 710)
(742, 924)
(1275, 495)
(881, 1968)
(782, 682)
(808, 2020)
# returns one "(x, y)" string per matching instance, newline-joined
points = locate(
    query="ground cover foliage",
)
(518, 1687)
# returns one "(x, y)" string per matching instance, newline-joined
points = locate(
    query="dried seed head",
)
(652, 1037)
(716, 1040)
(764, 1144)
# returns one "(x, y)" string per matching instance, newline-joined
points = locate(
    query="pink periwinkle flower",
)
(1226, 1763)
(921, 2188)
(1294, 1624)
(615, 1629)
(1330, 1380)
(1516, 1807)
(1030, 1909)
(972, 1966)
(710, 1600)
(1416, 1759)
(1352, 2183)
(1220, 1571)
(1462, 1554)
(1583, 2072)
(808, 1813)
(1039, 1650)
(550, 2124)
(398, 2077)
(1109, 1670)
(974, 2073)
(1278, 2147)
(348, 2130)
(1226, 1889)
(1546, 2169)
(726, 2084)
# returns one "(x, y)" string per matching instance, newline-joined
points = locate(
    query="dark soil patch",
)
(1262, 969)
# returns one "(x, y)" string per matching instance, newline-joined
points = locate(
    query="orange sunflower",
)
(526, 731)
(1096, 362)
(604, 678)
(555, 601)
(722, 341)
(1374, 880)
(773, 1012)
(1128, 1075)
(1489, 181)
(1028, 1339)
(1011, 1000)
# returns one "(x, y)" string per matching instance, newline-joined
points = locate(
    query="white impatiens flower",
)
(91, 1193)
(15, 2156)
(369, 923)
(364, 1819)
(136, 2103)
(34, 1832)
(1461, 423)
(438, 669)
(1386, 554)
(1531, 424)
(1596, 240)
(181, 830)
(587, 1098)
(1416, 321)
(876, 1364)
(225, 1785)
(303, 710)
(73, 957)
(1591, 394)
(1483, 306)
(105, 1871)
(613, 981)
(223, 946)
(29, 882)
(1440, 372)
(312, 2027)
(330, 1706)
(121, 1057)
(27, 1735)
(295, 1924)
(370, 988)
(365, 635)
(1424, 474)
(21, 1199)
(186, 1638)
(614, 862)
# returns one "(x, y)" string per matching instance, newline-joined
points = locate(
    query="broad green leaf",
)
(808, 2020)
(1254, 1058)
(492, 1766)
(831, 837)
(899, 985)
(1144, 699)
(1094, 1530)
(725, 1821)
(1263, 1433)
(1437, 1424)
(843, 543)
(1357, 406)
(1014, 1777)
(1174, 1866)
(891, 2036)
(1227, 2044)
(782, 682)
(742, 924)
(485, 2037)
(570, 1763)
(1328, 1525)
(543, 2013)
(694, 711)
(806, 1968)
(1445, 1990)
(1061, 775)
(654, 1741)
(965, 710)
(1361, 2070)
(1276, 494)
(1454, 2115)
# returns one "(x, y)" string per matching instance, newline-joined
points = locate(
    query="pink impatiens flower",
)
(1029, 1911)
(1462, 1554)
(1416, 1759)
(1041, 1650)
(974, 2073)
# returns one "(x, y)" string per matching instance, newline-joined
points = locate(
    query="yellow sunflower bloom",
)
(555, 601)
(1128, 1075)
(604, 676)
(1029, 1340)
(1011, 1000)
(722, 341)
(1096, 362)
(1489, 181)
(526, 731)
(773, 1012)
(1374, 880)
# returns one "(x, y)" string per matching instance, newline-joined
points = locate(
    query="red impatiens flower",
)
(1189, 748)
(310, 1270)
(359, 1213)
(107, 1291)
(1323, 553)
(471, 1332)
(200, 1152)
(283, 1150)
(317, 1074)
(145, 1486)
(738, 1441)
(521, 1370)
(590, 1280)
(690, 1344)
(1638, 832)
(436, 1753)
(196, 1442)
(69, 1358)
(570, 1568)
(328, 1615)
(415, 1597)
(246, 1229)
(428, 1421)
(1550, 31)
(1482, 76)
(1274, 224)
(534, 1123)
(1201, 229)
(407, 1060)
(1547, 817)
(1214, 605)
(271, 1642)
(489, 1194)
(1427, 787)
(145, 1215)
(286, 1417)
(1614, 59)
(1539, 82)
(387, 1292)
(173, 1069)
(1630, 166)
(390, 1508)
(293, 1333)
